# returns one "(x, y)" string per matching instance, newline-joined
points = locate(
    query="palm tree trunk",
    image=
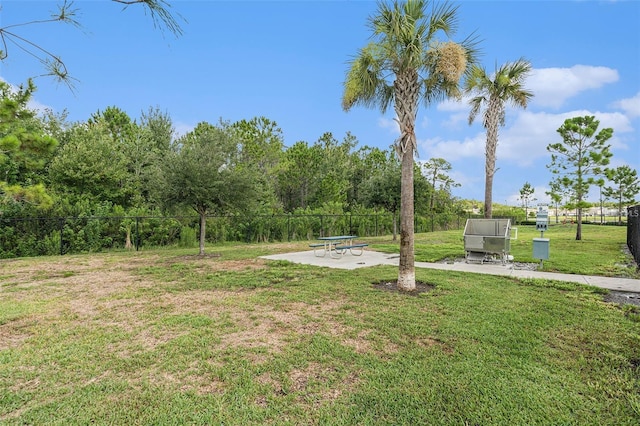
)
(493, 114)
(406, 271)
(407, 92)
(488, 196)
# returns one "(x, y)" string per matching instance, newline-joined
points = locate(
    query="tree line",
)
(113, 164)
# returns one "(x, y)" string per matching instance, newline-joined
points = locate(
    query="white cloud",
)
(631, 106)
(425, 123)
(616, 162)
(32, 104)
(389, 124)
(525, 140)
(553, 86)
(452, 150)
(468, 181)
(452, 105)
(38, 107)
(456, 121)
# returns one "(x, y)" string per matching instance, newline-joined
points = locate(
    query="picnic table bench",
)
(337, 245)
(350, 247)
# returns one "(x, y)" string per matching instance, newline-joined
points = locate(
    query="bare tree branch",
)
(159, 10)
(66, 13)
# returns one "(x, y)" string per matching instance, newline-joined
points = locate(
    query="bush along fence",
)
(66, 235)
(633, 232)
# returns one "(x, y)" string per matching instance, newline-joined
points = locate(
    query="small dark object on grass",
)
(622, 297)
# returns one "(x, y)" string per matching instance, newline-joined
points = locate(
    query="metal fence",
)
(66, 235)
(633, 232)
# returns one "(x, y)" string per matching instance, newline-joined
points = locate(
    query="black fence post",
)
(137, 234)
(633, 232)
(61, 233)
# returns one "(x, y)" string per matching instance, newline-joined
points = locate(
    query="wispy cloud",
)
(33, 104)
(453, 150)
(389, 124)
(526, 139)
(630, 106)
(553, 86)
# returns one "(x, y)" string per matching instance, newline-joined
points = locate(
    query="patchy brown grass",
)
(100, 291)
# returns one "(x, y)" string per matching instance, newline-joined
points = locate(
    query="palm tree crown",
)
(492, 93)
(405, 61)
(507, 86)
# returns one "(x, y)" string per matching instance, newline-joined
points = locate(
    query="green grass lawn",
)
(166, 337)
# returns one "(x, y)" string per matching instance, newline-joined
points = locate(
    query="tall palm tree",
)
(403, 65)
(493, 94)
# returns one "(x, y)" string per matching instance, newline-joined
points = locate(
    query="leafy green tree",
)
(404, 64)
(422, 191)
(526, 196)
(261, 142)
(382, 190)
(14, 33)
(122, 177)
(435, 170)
(365, 162)
(297, 177)
(626, 186)
(332, 181)
(143, 146)
(580, 158)
(160, 128)
(261, 150)
(25, 148)
(150, 143)
(312, 176)
(116, 122)
(92, 166)
(556, 193)
(493, 92)
(202, 172)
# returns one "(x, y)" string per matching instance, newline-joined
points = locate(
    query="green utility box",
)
(541, 248)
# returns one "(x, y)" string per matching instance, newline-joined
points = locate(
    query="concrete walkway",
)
(372, 258)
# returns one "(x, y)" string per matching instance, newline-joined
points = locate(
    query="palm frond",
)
(365, 82)
(476, 104)
(404, 35)
(505, 86)
(444, 17)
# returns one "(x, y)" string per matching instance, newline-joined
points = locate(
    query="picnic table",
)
(337, 245)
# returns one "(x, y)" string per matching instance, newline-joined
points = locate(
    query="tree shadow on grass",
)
(392, 286)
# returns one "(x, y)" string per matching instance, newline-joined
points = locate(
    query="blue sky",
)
(286, 60)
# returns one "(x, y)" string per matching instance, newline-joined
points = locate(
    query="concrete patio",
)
(373, 258)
